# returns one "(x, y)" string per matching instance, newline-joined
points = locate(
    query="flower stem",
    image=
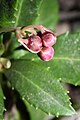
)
(9, 29)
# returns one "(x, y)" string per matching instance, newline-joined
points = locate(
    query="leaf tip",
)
(72, 110)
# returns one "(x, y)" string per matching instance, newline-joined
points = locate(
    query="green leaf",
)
(48, 14)
(18, 12)
(1, 104)
(35, 83)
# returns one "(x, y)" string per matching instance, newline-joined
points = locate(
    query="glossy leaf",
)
(35, 83)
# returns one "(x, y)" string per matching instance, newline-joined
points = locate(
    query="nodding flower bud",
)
(49, 39)
(46, 53)
(33, 44)
(37, 39)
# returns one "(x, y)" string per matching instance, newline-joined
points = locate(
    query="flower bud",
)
(46, 53)
(33, 44)
(49, 39)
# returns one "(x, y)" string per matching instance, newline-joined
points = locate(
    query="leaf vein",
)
(66, 58)
(38, 87)
(19, 10)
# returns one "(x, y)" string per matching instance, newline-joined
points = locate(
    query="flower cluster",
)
(37, 39)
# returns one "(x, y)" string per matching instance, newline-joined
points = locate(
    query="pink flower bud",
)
(49, 39)
(33, 44)
(46, 53)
